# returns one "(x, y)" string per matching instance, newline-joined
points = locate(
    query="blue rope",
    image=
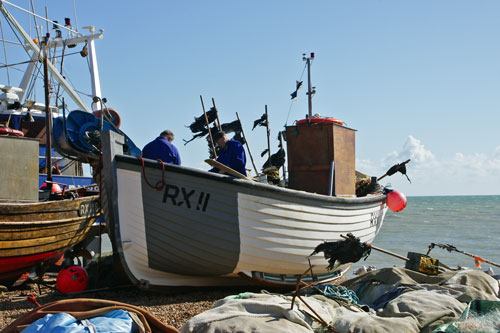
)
(339, 292)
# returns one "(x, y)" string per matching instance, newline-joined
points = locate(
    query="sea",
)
(470, 223)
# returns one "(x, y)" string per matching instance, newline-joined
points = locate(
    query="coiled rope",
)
(339, 292)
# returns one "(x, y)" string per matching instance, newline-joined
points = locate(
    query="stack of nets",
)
(365, 185)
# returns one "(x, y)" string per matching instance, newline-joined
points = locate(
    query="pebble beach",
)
(173, 308)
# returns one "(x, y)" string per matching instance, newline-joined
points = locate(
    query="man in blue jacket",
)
(163, 149)
(231, 153)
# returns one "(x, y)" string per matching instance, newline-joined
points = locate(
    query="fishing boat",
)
(32, 233)
(38, 225)
(20, 112)
(178, 226)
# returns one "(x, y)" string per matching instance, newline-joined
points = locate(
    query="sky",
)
(418, 80)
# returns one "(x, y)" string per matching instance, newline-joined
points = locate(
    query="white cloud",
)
(457, 174)
(412, 149)
(478, 164)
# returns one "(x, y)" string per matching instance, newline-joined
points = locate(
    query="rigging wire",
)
(76, 20)
(291, 103)
(34, 19)
(61, 70)
(5, 52)
(28, 61)
(30, 91)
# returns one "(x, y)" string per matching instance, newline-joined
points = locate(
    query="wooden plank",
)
(227, 169)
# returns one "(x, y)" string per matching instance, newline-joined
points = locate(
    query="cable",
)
(291, 103)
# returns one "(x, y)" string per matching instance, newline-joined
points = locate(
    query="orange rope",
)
(161, 183)
(33, 300)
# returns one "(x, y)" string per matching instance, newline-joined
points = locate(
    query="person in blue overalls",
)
(231, 153)
(163, 149)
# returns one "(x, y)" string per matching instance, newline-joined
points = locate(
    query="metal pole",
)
(384, 251)
(309, 92)
(48, 114)
(216, 114)
(281, 144)
(208, 127)
(330, 185)
(248, 147)
(268, 142)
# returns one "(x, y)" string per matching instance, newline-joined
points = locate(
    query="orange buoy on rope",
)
(396, 201)
(319, 120)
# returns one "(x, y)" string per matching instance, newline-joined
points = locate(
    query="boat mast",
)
(96, 90)
(310, 90)
(94, 70)
(48, 114)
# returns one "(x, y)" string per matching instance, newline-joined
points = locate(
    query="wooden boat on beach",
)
(38, 226)
(40, 232)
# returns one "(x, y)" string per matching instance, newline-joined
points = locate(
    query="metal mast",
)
(310, 90)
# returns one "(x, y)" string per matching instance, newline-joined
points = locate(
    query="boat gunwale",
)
(248, 183)
(7, 203)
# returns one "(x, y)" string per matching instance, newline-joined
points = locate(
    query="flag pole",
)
(281, 144)
(208, 127)
(248, 147)
(216, 114)
(268, 140)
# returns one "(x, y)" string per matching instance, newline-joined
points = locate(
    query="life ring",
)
(318, 120)
(10, 132)
(115, 116)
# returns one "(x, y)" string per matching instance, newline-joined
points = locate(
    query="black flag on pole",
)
(199, 125)
(298, 84)
(260, 122)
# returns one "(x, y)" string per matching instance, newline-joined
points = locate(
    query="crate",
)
(422, 263)
(311, 150)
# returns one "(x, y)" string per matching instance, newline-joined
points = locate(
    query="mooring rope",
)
(161, 183)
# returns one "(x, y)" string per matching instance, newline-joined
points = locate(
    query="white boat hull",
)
(205, 229)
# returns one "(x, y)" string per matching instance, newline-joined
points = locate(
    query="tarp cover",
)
(400, 300)
(85, 309)
(114, 321)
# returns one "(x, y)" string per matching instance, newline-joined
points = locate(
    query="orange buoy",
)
(55, 188)
(319, 120)
(112, 113)
(396, 201)
(10, 132)
(72, 279)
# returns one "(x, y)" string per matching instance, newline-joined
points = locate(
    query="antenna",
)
(310, 91)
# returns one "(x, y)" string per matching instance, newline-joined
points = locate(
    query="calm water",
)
(470, 223)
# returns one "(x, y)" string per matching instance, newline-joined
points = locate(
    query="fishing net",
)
(351, 249)
(478, 316)
(366, 185)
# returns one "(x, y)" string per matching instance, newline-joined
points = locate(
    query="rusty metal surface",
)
(19, 168)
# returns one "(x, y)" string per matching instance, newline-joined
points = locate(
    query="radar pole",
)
(310, 90)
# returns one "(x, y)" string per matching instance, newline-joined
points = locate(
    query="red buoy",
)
(396, 201)
(112, 114)
(55, 188)
(72, 279)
